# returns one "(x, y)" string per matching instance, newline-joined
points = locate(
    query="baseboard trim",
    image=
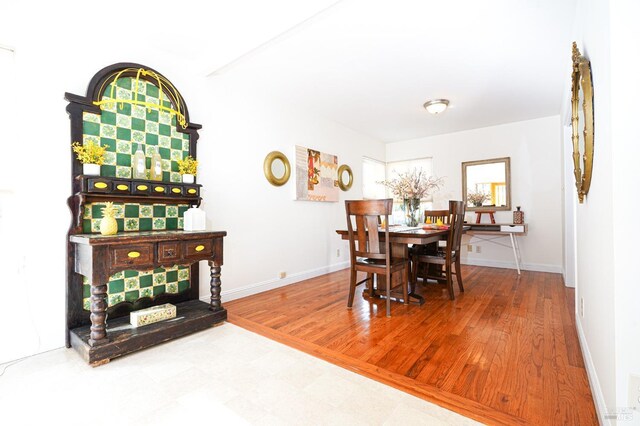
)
(596, 390)
(511, 265)
(260, 287)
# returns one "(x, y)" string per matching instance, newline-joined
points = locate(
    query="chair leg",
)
(450, 282)
(370, 279)
(405, 286)
(388, 292)
(352, 287)
(459, 274)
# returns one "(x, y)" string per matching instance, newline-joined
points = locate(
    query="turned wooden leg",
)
(98, 315)
(216, 284)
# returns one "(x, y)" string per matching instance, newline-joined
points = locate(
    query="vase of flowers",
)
(188, 169)
(91, 155)
(475, 199)
(412, 210)
(411, 187)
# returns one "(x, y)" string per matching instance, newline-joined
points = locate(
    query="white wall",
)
(535, 150)
(607, 278)
(595, 281)
(268, 232)
(625, 90)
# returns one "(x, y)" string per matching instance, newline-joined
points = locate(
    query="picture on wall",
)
(316, 175)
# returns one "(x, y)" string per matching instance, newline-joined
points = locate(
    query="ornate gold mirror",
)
(581, 122)
(345, 177)
(486, 184)
(277, 169)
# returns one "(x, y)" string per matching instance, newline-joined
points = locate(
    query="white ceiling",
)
(370, 65)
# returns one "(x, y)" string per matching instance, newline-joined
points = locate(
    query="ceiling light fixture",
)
(436, 106)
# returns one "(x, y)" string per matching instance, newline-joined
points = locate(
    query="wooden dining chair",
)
(432, 216)
(448, 256)
(368, 253)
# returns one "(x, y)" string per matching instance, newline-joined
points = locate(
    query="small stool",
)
(479, 216)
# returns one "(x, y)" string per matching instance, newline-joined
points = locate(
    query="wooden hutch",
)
(151, 260)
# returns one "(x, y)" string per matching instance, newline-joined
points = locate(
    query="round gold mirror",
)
(277, 169)
(581, 122)
(345, 175)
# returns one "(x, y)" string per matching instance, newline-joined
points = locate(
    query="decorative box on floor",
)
(152, 315)
(131, 110)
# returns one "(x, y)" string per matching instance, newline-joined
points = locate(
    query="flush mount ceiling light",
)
(436, 106)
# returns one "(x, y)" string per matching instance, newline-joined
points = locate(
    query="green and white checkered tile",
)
(132, 285)
(136, 217)
(121, 127)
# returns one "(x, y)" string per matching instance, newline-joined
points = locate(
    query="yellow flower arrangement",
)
(188, 166)
(89, 153)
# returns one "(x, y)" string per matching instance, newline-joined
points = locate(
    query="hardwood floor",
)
(504, 352)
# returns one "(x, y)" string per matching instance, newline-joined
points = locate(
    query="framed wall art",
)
(316, 175)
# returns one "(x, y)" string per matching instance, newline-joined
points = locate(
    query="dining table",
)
(400, 238)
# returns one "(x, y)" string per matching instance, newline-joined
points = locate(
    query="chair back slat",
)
(374, 240)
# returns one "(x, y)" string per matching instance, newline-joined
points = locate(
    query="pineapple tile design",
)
(136, 217)
(132, 285)
(121, 127)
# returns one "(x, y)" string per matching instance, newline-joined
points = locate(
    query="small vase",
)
(411, 208)
(518, 216)
(91, 169)
(187, 178)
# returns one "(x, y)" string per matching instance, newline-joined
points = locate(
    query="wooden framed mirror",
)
(276, 168)
(486, 184)
(581, 122)
(345, 177)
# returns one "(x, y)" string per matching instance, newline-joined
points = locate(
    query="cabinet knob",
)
(133, 254)
(200, 247)
(170, 252)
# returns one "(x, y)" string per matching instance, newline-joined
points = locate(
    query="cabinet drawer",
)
(198, 248)
(191, 191)
(511, 228)
(160, 189)
(132, 255)
(175, 191)
(121, 187)
(168, 251)
(140, 188)
(99, 185)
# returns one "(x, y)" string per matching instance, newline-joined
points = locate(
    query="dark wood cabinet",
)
(151, 248)
(97, 257)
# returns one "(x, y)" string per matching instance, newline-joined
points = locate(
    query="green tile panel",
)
(132, 285)
(136, 217)
(121, 127)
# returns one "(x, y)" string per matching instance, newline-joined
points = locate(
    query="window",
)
(375, 171)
